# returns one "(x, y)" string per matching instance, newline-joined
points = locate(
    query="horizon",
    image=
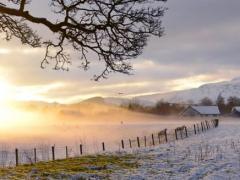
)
(132, 97)
(122, 97)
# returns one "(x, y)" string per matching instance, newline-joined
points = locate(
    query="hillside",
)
(212, 90)
(226, 89)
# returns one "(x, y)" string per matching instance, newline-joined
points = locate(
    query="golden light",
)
(5, 91)
(4, 51)
(7, 113)
(36, 92)
(10, 116)
(15, 119)
(192, 82)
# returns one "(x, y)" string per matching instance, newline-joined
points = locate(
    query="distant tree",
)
(206, 102)
(134, 105)
(231, 102)
(162, 108)
(221, 104)
(166, 108)
(176, 108)
(113, 30)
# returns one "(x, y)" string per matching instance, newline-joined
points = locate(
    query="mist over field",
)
(32, 123)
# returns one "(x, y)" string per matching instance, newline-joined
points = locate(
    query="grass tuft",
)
(97, 165)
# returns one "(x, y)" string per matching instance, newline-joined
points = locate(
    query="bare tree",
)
(114, 30)
(206, 101)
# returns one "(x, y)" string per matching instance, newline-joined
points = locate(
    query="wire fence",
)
(44, 153)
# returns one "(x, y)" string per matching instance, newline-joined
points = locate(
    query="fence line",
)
(49, 154)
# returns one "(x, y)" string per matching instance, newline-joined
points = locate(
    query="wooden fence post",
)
(166, 139)
(35, 155)
(176, 134)
(217, 122)
(206, 124)
(195, 132)
(186, 131)
(145, 141)
(66, 152)
(16, 156)
(198, 129)
(130, 143)
(159, 138)
(153, 142)
(103, 146)
(53, 153)
(138, 142)
(205, 129)
(81, 149)
(122, 144)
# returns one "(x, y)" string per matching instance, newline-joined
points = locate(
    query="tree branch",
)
(22, 5)
(114, 30)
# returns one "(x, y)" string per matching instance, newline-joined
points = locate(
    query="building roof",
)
(207, 110)
(236, 108)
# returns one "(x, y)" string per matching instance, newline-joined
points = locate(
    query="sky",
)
(200, 45)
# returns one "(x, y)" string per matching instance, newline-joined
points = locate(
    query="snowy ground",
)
(211, 155)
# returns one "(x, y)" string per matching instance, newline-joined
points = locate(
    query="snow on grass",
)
(211, 155)
(214, 155)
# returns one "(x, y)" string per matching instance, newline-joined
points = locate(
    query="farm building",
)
(236, 111)
(201, 111)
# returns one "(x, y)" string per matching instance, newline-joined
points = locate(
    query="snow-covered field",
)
(211, 155)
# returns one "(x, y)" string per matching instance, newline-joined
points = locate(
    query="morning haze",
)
(173, 114)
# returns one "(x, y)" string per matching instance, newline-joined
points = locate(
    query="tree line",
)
(225, 105)
(161, 108)
(166, 108)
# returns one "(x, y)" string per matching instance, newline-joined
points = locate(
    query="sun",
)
(11, 116)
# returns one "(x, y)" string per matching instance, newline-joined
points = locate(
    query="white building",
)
(201, 111)
(236, 111)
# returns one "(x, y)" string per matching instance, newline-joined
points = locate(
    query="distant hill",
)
(212, 90)
(99, 100)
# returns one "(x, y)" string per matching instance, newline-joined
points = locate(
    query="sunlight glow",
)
(5, 91)
(4, 51)
(192, 82)
(36, 92)
(13, 118)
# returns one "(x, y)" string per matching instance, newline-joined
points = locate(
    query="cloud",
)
(200, 45)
